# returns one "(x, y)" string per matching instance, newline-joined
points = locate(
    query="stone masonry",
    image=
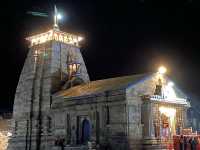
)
(43, 73)
(112, 113)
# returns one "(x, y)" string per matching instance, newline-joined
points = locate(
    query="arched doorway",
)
(86, 131)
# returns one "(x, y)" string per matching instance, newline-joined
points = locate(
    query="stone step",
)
(71, 148)
(157, 147)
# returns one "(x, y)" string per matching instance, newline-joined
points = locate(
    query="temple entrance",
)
(86, 131)
(167, 122)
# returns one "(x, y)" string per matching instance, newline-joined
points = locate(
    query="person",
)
(193, 143)
(185, 142)
(188, 143)
(181, 142)
(198, 143)
(61, 143)
(57, 141)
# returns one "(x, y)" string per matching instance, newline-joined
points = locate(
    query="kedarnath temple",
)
(55, 99)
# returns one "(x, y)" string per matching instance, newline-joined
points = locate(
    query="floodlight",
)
(162, 70)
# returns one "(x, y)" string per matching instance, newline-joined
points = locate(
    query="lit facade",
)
(56, 99)
(55, 35)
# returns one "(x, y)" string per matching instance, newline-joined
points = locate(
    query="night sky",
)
(121, 38)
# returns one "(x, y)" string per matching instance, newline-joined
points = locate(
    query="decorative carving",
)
(158, 90)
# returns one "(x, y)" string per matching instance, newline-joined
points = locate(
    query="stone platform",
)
(142, 147)
(157, 144)
(71, 148)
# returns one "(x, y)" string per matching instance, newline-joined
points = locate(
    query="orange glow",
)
(55, 35)
(162, 70)
(169, 112)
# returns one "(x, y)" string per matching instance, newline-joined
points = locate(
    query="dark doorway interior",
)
(86, 131)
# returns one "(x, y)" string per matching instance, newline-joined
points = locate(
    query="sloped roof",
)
(100, 86)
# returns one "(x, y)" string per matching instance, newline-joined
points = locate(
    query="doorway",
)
(167, 121)
(86, 131)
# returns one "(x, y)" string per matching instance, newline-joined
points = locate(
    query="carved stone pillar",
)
(151, 118)
(147, 114)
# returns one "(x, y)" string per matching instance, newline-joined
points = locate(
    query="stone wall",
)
(106, 127)
(43, 72)
(141, 113)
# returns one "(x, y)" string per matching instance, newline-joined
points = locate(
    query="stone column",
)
(151, 117)
(185, 121)
(148, 120)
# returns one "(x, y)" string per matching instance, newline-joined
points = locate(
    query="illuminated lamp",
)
(9, 134)
(73, 68)
(36, 53)
(169, 112)
(80, 38)
(162, 70)
(170, 84)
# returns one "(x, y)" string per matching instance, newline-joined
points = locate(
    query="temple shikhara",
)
(55, 100)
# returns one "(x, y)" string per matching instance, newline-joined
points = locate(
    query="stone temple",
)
(55, 99)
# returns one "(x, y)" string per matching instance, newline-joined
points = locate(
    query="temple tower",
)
(54, 62)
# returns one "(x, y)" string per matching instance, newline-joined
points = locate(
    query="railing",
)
(169, 100)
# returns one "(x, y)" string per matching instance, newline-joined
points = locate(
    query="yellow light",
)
(55, 35)
(162, 70)
(9, 134)
(80, 38)
(74, 68)
(169, 91)
(169, 112)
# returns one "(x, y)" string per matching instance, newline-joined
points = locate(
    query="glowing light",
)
(4, 138)
(59, 16)
(9, 134)
(73, 68)
(55, 35)
(170, 84)
(162, 70)
(169, 112)
(80, 38)
(168, 90)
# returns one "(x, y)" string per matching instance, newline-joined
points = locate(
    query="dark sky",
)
(121, 37)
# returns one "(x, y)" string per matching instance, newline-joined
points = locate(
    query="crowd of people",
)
(187, 143)
(180, 142)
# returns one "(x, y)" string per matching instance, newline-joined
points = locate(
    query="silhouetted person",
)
(57, 141)
(108, 146)
(61, 143)
(181, 142)
(193, 143)
(185, 142)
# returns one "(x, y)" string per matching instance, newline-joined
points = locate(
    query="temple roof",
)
(100, 86)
